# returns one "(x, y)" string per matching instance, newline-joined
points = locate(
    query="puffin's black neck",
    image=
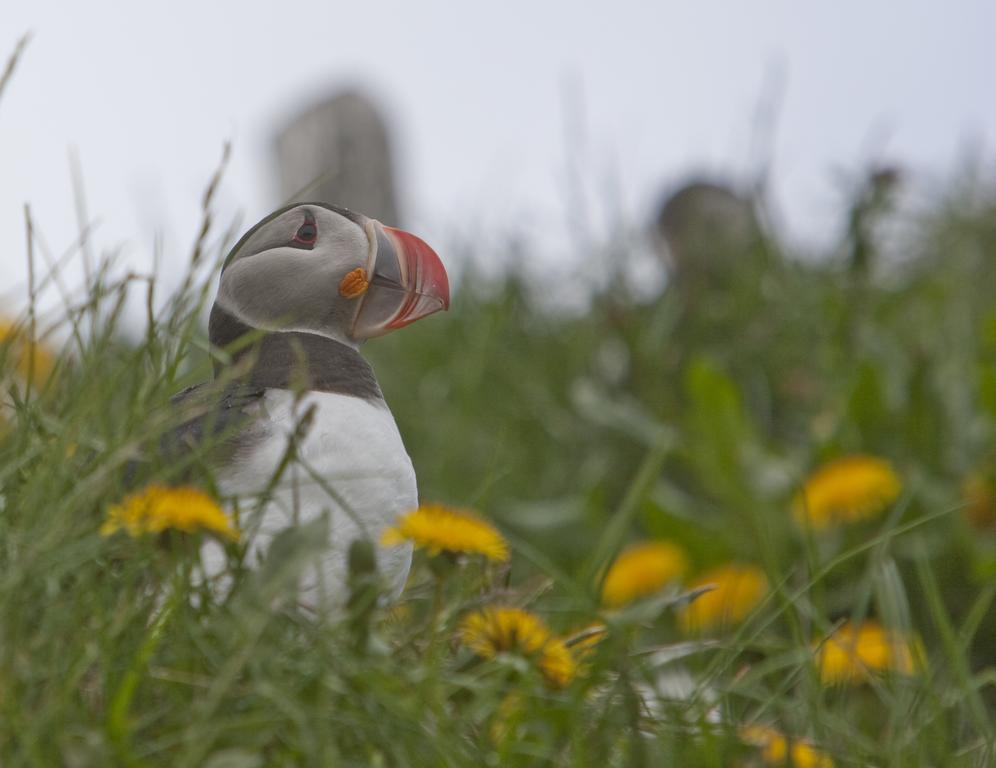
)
(291, 359)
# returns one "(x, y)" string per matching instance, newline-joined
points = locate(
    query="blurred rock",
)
(339, 151)
(702, 226)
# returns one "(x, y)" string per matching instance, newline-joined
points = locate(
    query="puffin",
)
(294, 426)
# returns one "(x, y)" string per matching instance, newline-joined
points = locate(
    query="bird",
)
(701, 228)
(295, 414)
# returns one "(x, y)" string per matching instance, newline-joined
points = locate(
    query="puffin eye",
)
(307, 233)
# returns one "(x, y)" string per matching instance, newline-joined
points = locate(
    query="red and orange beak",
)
(408, 282)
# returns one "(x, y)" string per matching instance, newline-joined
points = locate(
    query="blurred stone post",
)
(338, 151)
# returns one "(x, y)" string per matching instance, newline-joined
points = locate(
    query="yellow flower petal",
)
(496, 629)
(846, 490)
(436, 528)
(775, 748)
(978, 492)
(585, 639)
(157, 508)
(557, 663)
(30, 358)
(642, 570)
(738, 590)
(854, 653)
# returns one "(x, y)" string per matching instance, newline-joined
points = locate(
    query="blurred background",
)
(711, 261)
(742, 238)
(712, 246)
(543, 120)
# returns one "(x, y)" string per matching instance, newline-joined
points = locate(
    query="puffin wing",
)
(215, 426)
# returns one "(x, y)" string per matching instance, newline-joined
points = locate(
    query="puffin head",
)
(320, 269)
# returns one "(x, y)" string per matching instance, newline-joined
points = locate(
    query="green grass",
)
(692, 417)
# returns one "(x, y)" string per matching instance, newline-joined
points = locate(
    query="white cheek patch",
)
(284, 290)
(226, 301)
(279, 286)
(344, 242)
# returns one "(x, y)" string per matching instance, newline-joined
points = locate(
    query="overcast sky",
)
(482, 99)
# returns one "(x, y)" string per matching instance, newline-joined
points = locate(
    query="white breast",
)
(352, 464)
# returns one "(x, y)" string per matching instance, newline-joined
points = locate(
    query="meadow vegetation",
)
(748, 521)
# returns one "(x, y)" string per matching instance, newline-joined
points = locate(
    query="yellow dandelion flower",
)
(557, 663)
(157, 508)
(775, 748)
(30, 358)
(436, 528)
(978, 492)
(846, 490)
(642, 570)
(497, 629)
(854, 653)
(738, 590)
